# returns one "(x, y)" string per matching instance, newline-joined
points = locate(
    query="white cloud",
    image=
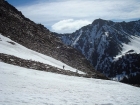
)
(54, 11)
(69, 25)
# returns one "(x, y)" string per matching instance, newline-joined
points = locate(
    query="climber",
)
(63, 66)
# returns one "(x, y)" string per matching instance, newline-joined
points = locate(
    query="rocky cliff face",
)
(104, 43)
(34, 36)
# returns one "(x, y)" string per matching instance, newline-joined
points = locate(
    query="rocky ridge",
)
(36, 37)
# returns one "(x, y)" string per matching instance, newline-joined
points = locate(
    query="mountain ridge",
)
(22, 30)
(103, 40)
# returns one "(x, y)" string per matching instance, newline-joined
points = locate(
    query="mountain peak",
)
(103, 41)
(101, 22)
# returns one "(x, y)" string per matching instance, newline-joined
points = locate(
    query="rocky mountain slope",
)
(110, 46)
(16, 54)
(36, 37)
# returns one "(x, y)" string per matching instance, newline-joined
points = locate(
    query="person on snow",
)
(63, 66)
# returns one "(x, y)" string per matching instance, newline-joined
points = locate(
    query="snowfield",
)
(133, 45)
(20, 51)
(21, 86)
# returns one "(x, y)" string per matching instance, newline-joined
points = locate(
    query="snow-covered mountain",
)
(104, 42)
(29, 53)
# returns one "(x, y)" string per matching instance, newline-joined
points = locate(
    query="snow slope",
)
(25, 53)
(21, 86)
(133, 45)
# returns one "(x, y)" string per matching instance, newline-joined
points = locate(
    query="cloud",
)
(52, 12)
(69, 25)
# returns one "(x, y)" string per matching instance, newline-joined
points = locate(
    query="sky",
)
(67, 16)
